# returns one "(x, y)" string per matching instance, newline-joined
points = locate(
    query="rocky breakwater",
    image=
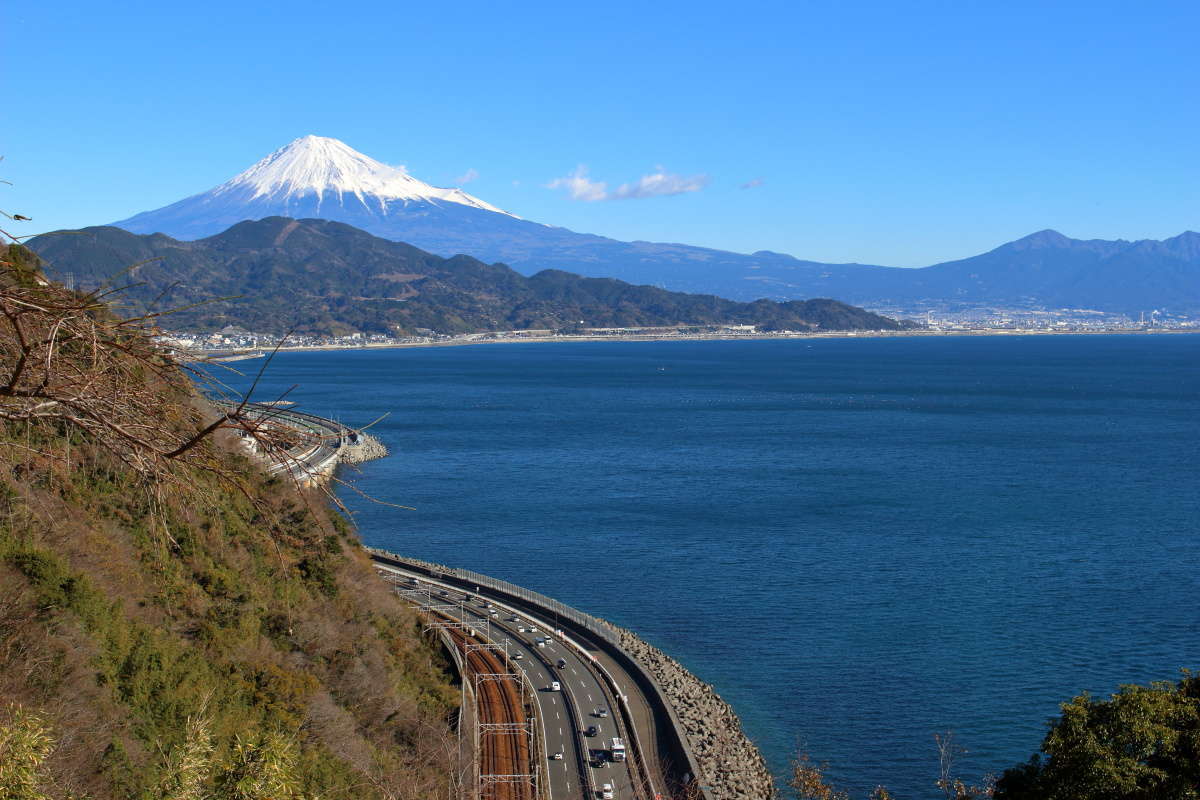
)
(730, 765)
(367, 448)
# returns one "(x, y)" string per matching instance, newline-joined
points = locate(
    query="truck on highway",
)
(618, 749)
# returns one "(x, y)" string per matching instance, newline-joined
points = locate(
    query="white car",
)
(517, 656)
(558, 756)
(606, 791)
(555, 686)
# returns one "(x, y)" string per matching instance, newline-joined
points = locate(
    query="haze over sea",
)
(859, 542)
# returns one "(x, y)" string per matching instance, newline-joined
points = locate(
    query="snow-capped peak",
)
(318, 164)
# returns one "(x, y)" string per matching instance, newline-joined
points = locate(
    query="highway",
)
(564, 716)
(588, 676)
(317, 452)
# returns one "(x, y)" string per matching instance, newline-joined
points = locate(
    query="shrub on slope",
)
(164, 611)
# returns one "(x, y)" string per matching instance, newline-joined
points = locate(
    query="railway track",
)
(500, 702)
(583, 776)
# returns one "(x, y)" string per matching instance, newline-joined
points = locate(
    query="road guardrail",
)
(597, 629)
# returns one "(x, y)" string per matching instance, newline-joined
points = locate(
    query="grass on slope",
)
(207, 632)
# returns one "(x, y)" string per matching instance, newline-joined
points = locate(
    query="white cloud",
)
(580, 187)
(659, 183)
(750, 184)
(468, 176)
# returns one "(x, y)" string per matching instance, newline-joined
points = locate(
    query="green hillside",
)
(321, 277)
(172, 622)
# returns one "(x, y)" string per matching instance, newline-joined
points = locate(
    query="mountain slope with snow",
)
(320, 166)
(316, 177)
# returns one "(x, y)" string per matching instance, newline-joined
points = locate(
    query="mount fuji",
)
(323, 178)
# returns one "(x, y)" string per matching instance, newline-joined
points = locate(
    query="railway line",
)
(597, 750)
(317, 441)
(504, 747)
(577, 716)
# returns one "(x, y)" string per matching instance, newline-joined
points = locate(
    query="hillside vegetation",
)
(321, 277)
(173, 623)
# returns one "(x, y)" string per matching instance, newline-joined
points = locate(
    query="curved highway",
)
(320, 441)
(580, 719)
(577, 720)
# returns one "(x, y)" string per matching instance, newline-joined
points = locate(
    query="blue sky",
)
(889, 133)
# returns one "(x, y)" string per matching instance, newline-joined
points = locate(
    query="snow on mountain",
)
(316, 177)
(318, 165)
(323, 178)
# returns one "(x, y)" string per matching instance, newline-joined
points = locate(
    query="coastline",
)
(726, 764)
(730, 337)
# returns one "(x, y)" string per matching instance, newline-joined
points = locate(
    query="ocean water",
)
(858, 542)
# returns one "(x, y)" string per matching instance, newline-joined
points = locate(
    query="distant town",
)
(1080, 320)
(234, 340)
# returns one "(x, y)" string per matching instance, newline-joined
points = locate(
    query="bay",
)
(858, 542)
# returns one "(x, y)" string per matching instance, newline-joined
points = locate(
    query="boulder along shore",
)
(732, 766)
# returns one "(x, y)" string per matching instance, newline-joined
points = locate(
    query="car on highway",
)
(592, 730)
(606, 791)
(517, 656)
(601, 712)
(558, 755)
(555, 686)
(562, 663)
(514, 618)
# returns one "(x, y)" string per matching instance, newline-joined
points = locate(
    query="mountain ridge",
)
(1045, 269)
(324, 277)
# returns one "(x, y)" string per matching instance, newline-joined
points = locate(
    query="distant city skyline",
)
(868, 132)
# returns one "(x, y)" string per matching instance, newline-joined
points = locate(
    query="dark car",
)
(592, 730)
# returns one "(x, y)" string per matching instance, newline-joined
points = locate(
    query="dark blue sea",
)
(858, 542)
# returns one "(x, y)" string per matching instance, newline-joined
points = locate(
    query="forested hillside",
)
(173, 623)
(320, 277)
